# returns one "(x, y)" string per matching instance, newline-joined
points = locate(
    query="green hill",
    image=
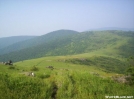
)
(36, 41)
(117, 44)
(7, 41)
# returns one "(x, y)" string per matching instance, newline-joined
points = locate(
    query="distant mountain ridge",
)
(119, 43)
(111, 28)
(38, 40)
(6, 41)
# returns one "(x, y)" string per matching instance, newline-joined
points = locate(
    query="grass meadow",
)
(66, 81)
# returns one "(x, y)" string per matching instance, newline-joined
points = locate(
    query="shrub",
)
(42, 76)
(34, 68)
(11, 67)
(130, 72)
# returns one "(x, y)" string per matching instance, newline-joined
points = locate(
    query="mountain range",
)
(111, 28)
(7, 41)
(38, 40)
(67, 42)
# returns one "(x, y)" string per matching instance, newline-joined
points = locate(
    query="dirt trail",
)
(55, 88)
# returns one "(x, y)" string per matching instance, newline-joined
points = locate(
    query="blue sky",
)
(38, 17)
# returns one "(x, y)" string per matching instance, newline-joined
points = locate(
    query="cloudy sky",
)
(38, 17)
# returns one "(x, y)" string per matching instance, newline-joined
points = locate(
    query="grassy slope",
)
(66, 81)
(61, 62)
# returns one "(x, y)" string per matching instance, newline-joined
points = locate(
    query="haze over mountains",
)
(112, 28)
(6, 41)
(68, 42)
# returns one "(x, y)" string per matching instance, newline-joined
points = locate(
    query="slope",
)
(6, 41)
(37, 41)
(106, 42)
(65, 81)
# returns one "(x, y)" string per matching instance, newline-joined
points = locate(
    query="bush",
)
(34, 68)
(43, 76)
(130, 72)
(11, 67)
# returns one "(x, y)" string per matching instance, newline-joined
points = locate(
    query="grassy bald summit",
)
(67, 42)
(27, 43)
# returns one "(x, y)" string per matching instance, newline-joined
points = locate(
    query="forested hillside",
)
(112, 43)
(36, 41)
(6, 41)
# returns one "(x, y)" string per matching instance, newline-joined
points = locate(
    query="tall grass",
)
(23, 88)
(82, 85)
(61, 84)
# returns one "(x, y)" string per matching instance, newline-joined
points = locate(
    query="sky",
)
(38, 17)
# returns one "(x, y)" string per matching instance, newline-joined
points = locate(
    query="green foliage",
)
(128, 48)
(34, 68)
(63, 85)
(43, 76)
(130, 71)
(44, 39)
(11, 67)
(107, 63)
(23, 88)
(119, 43)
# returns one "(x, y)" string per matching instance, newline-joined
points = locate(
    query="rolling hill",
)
(36, 41)
(67, 42)
(7, 41)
